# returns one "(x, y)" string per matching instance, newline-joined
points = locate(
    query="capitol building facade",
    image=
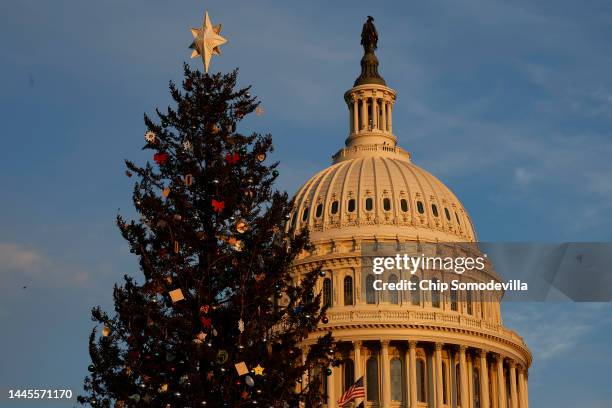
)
(413, 349)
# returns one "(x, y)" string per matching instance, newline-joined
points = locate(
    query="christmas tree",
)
(217, 319)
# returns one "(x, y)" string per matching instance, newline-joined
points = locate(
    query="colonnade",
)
(370, 111)
(432, 375)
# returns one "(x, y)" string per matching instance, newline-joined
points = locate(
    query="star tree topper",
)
(206, 41)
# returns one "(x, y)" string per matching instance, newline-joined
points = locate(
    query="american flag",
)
(354, 391)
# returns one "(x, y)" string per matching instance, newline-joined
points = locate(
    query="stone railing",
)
(347, 151)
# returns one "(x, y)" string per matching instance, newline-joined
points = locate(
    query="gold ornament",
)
(241, 368)
(176, 247)
(259, 111)
(258, 370)
(163, 388)
(166, 192)
(241, 227)
(261, 157)
(188, 180)
(206, 41)
(106, 331)
(176, 295)
(150, 137)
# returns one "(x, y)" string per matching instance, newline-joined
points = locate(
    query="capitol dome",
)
(413, 349)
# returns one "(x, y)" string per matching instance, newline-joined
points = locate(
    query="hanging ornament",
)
(328, 371)
(238, 246)
(204, 309)
(275, 173)
(206, 41)
(135, 397)
(150, 137)
(241, 326)
(177, 247)
(106, 331)
(187, 146)
(215, 129)
(163, 388)
(249, 193)
(206, 322)
(160, 158)
(249, 381)
(217, 205)
(166, 192)
(188, 180)
(232, 158)
(128, 173)
(91, 367)
(261, 157)
(178, 217)
(259, 277)
(222, 357)
(325, 319)
(200, 338)
(241, 368)
(258, 370)
(176, 295)
(259, 111)
(241, 227)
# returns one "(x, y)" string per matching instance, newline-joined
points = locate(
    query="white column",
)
(386, 374)
(374, 113)
(463, 377)
(521, 384)
(355, 114)
(390, 117)
(470, 377)
(438, 374)
(364, 113)
(513, 394)
(484, 380)
(412, 374)
(501, 383)
(383, 106)
(357, 364)
(332, 401)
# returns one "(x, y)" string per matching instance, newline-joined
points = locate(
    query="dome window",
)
(457, 217)
(319, 211)
(447, 213)
(434, 210)
(351, 205)
(369, 204)
(386, 204)
(334, 207)
(294, 219)
(404, 205)
(420, 207)
(305, 214)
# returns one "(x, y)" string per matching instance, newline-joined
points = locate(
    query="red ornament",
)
(204, 309)
(206, 322)
(218, 205)
(160, 158)
(232, 158)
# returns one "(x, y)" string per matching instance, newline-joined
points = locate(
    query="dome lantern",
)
(370, 104)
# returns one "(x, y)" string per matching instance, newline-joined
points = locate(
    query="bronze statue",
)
(369, 35)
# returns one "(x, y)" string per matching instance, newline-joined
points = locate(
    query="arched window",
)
(444, 383)
(404, 205)
(457, 217)
(420, 207)
(351, 205)
(334, 207)
(453, 298)
(435, 294)
(294, 219)
(396, 379)
(476, 388)
(447, 214)
(305, 214)
(372, 379)
(370, 292)
(387, 204)
(327, 292)
(393, 296)
(319, 210)
(349, 374)
(434, 210)
(421, 380)
(369, 204)
(468, 300)
(348, 290)
(415, 294)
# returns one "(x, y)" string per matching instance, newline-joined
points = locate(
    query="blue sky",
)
(509, 103)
